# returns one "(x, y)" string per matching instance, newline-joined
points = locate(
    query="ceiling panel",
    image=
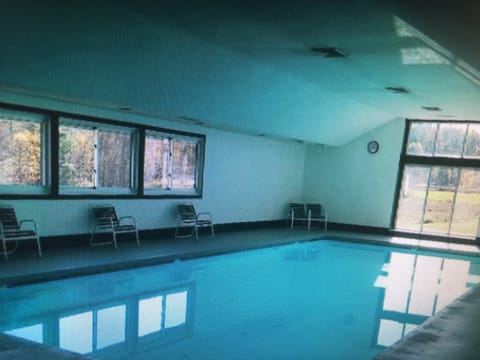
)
(247, 65)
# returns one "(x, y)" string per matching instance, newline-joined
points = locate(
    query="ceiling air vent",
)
(191, 120)
(431, 108)
(397, 89)
(330, 52)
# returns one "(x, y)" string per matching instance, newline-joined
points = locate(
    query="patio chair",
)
(296, 212)
(190, 220)
(11, 230)
(107, 221)
(315, 212)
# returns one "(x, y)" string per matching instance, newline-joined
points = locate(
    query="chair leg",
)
(213, 232)
(196, 231)
(177, 232)
(115, 240)
(92, 235)
(136, 237)
(39, 247)
(5, 253)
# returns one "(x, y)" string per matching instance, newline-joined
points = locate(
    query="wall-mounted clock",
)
(373, 147)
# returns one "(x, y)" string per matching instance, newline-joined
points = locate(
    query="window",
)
(23, 153)
(96, 158)
(46, 153)
(158, 313)
(92, 330)
(172, 164)
(440, 187)
(415, 288)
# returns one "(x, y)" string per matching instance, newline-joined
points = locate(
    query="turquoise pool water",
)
(316, 300)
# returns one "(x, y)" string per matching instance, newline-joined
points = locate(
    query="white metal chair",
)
(306, 214)
(315, 212)
(106, 221)
(297, 213)
(11, 230)
(191, 220)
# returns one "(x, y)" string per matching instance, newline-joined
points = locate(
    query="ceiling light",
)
(397, 89)
(331, 52)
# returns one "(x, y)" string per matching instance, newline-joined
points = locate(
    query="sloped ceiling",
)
(247, 65)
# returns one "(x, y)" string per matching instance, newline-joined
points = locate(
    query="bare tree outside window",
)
(95, 158)
(114, 159)
(171, 163)
(184, 160)
(76, 157)
(20, 152)
(156, 172)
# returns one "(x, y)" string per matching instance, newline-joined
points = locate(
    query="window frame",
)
(430, 161)
(200, 156)
(52, 120)
(45, 152)
(96, 127)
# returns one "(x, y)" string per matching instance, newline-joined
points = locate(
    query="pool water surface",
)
(314, 300)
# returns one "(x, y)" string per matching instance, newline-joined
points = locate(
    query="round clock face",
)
(373, 147)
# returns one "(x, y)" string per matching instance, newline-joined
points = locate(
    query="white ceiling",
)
(246, 65)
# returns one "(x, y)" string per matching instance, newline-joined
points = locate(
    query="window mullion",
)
(133, 157)
(434, 153)
(452, 209)
(170, 163)
(426, 199)
(95, 158)
(465, 140)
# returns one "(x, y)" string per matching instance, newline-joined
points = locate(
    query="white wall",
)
(246, 178)
(356, 187)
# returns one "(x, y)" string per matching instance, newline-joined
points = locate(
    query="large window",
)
(22, 152)
(46, 153)
(99, 158)
(172, 164)
(440, 187)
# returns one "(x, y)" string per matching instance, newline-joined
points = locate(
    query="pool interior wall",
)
(64, 265)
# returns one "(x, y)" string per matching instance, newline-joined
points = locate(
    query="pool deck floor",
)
(451, 334)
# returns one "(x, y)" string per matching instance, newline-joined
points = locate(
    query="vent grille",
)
(431, 108)
(397, 89)
(191, 120)
(330, 52)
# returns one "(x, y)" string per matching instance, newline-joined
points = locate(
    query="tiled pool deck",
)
(451, 334)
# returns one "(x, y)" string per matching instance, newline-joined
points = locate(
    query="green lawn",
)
(437, 212)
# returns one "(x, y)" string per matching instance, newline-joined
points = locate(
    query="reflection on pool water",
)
(324, 299)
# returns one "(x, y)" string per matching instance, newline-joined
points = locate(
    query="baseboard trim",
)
(361, 229)
(78, 240)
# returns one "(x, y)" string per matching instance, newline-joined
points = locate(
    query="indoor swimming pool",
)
(313, 300)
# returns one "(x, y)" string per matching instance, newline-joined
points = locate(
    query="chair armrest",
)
(130, 220)
(104, 221)
(205, 215)
(32, 223)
